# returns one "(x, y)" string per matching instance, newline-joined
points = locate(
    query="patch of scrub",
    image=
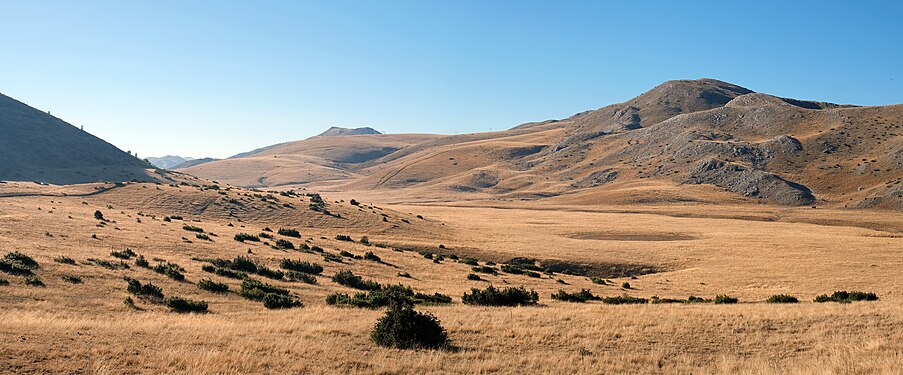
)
(630, 236)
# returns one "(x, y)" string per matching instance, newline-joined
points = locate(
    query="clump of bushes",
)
(349, 279)
(192, 228)
(302, 277)
(107, 264)
(224, 272)
(285, 244)
(469, 261)
(141, 262)
(273, 297)
(124, 254)
(500, 297)
(782, 298)
(184, 305)
(289, 232)
(847, 297)
(269, 273)
(71, 279)
(33, 280)
(371, 256)
(17, 263)
(385, 296)
(148, 291)
(624, 300)
(242, 237)
(265, 235)
(203, 237)
(625, 285)
(171, 270)
(64, 260)
(4, 282)
(301, 266)
(343, 237)
(582, 296)
(725, 299)
(330, 257)
(485, 269)
(515, 269)
(213, 286)
(474, 277)
(598, 280)
(404, 328)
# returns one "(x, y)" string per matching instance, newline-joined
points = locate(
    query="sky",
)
(215, 78)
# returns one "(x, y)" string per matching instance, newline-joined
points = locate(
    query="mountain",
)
(337, 132)
(36, 146)
(168, 161)
(684, 141)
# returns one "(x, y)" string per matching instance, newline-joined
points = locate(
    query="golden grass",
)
(86, 328)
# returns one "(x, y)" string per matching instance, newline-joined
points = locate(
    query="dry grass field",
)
(670, 251)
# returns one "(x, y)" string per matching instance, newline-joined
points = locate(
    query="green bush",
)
(349, 279)
(343, 237)
(71, 279)
(496, 297)
(4, 282)
(285, 244)
(148, 291)
(242, 237)
(582, 296)
(124, 254)
(256, 290)
(265, 235)
(279, 301)
(725, 299)
(469, 261)
(474, 277)
(625, 285)
(330, 257)
(213, 286)
(241, 263)
(847, 297)
(108, 265)
(289, 232)
(33, 280)
(404, 328)
(141, 262)
(301, 266)
(98, 215)
(518, 270)
(371, 256)
(17, 263)
(192, 228)
(202, 237)
(405, 275)
(485, 269)
(269, 273)
(64, 260)
(171, 270)
(694, 299)
(302, 277)
(623, 300)
(782, 298)
(184, 305)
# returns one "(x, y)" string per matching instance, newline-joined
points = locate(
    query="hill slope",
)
(36, 146)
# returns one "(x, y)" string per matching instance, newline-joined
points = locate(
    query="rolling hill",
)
(683, 141)
(36, 146)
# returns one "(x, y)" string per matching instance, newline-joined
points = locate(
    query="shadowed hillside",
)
(36, 146)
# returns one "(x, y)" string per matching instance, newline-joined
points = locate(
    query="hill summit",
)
(336, 131)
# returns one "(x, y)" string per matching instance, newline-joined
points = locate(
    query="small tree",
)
(404, 328)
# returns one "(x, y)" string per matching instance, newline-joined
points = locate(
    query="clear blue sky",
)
(213, 78)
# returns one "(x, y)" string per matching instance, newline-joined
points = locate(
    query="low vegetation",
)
(349, 279)
(213, 286)
(624, 300)
(273, 297)
(301, 266)
(847, 297)
(16, 263)
(404, 328)
(500, 297)
(242, 237)
(184, 305)
(289, 232)
(782, 298)
(582, 296)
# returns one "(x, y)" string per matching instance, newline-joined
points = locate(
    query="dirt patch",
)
(630, 236)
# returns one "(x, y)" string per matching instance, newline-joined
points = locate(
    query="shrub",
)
(694, 299)
(469, 261)
(241, 263)
(171, 270)
(343, 237)
(256, 290)
(192, 228)
(496, 297)
(782, 298)
(725, 299)
(405, 274)
(106, 264)
(517, 270)
(64, 260)
(485, 269)
(289, 232)
(33, 280)
(4, 282)
(581, 296)
(330, 257)
(847, 297)
(203, 237)
(269, 273)
(365, 240)
(371, 256)
(71, 279)
(302, 277)
(301, 266)
(279, 301)
(17, 263)
(141, 262)
(622, 300)
(433, 299)
(474, 277)
(242, 237)
(404, 328)
(625, 285)
(124, 254)
(265, 235)
(225, 272)
(213, 286)
(98, 215)
(347, 254)
(149, 291)
(184, 305)
(285, 244)
(598, 280)
(349, 279)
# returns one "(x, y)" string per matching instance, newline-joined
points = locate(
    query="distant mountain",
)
(168, 161)
(35, 146)
(337, 131)
(193, 162)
